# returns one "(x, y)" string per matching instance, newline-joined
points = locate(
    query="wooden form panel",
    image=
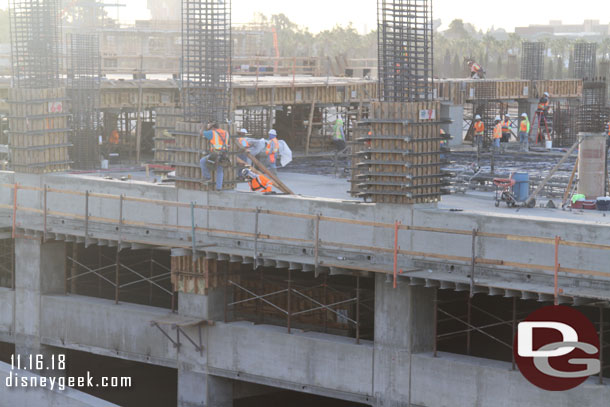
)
(460, 91)
(189, 148)
(165, 123)
(402, 164)
(194, 277)
(39, 133)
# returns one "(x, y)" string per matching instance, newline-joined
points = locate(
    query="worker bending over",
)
(273, 146)
(257, 182)
(218, 141)
(479, 131)
(524, 132)
(243, 142)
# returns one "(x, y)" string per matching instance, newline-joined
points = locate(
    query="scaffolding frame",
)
(206, 60)
(405, 50)
(532, 61)
(35, 27)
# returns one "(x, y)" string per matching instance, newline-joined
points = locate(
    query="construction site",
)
(189, 210)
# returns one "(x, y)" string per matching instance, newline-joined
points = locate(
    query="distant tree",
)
(559, 68)
(456, 30)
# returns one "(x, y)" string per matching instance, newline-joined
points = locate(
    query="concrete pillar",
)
(528, 106)
(404, 324)
(39, 270)
(196, 388)
(456, 114)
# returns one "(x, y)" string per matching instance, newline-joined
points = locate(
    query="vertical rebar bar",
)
(435, 322)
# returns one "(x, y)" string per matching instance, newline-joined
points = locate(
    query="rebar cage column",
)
(532, 61)
(206, 60)
(405, 48)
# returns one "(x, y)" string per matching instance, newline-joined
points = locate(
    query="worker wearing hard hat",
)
(524, 132)
(543, 103)
(273, 146)
(339, 135)
(506, 128)
(479, 131)
(497, 133)
(244, 144)
(257, 182)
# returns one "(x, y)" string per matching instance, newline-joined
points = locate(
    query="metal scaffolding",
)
(206, 60)
(35, 43)
(585, 61)
(532, 61)
(405, 50)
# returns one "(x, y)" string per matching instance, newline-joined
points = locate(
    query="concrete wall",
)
(41, 396)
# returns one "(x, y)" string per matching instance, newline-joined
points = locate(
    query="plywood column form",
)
(39, 270)
(404, 325)
(403, 164)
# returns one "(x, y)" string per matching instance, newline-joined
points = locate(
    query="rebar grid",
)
(532, 60)
(565, 123)
(35, 27)
(585, 61)
(593, 113)
(405, 50)
(206, 59)
(83, 81)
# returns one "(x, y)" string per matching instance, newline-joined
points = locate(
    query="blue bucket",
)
(521, 189)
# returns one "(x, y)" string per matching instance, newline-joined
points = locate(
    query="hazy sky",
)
(322, 14)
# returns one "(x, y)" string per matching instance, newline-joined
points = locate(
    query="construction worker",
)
(506, 128)
(497, 133)
(476, 70)
(114, 137)
(257, 182)
(479, 131)
(524, 132)
(218, 142)
(543, 103)
(272, 148)
(243, 142)
(339, 135)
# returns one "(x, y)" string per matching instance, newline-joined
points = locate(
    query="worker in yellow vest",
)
(497, 133)
(524, 132)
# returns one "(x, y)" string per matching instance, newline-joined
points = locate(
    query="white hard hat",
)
(523, 114)
(244, 131)
(497, 118)
(546, 94)
(272, 132)
(477, 117)
(507, 115)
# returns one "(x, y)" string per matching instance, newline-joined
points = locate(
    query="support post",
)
(473, 260)
(116, 274)
(316, 248)
(435, 349)
(255, 260)
(310, 122)
(469, 319)
(86, 217)
(15, 188)
(358, 309)
(44, 214)
(556, 273)
(601, 344)
(514, 328)
(288, 304)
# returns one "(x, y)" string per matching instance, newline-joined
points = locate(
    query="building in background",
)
(164, 9)
(589, 28)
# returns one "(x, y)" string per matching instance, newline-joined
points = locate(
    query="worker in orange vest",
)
(497, 132)
(543, 103)
(218, 141)
(506, 128)
(257, 182)
(273, 146)
(114, 137)
(479, 131)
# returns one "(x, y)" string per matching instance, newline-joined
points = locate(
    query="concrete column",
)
(196, 388)
(404, 324)
(528, 106)
(456, 114)
(39, 270)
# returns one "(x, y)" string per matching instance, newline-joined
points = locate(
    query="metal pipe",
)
(44, 214)
(15, 188)
(473, 260)
(325, 294)
(358, 309)
(435, 321)
(469, 319)
(150, 274)
(86, 217)
(556, 273)
(288, 304)
(254, 263)
(225, 294)
(116, 273)
(316, 249)
(395, 270)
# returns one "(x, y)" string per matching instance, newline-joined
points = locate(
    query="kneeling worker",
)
(257, 182)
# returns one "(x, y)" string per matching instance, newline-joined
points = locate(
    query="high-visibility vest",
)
(524, 127)
(497, 133)
(475, 67)
(219, 140)
(273, 146)
(114, 137)
(260, 183)
(479, 128)
(505, 126)
(243, 142)
(543, 103)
